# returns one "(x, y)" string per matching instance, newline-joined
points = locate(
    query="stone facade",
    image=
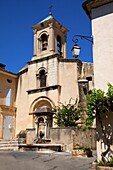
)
(48, 79)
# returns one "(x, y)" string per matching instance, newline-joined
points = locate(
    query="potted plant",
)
(82, 151)
(107, 166)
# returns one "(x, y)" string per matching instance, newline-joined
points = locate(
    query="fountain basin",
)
(40, 147)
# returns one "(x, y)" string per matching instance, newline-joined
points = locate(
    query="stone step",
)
(8, 142)
(9, 149)
(8, 145)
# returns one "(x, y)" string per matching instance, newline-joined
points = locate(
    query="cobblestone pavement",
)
(43, 161)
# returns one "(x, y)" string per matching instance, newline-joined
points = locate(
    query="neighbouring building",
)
(8, 90)
(101, 14)
(48, 79)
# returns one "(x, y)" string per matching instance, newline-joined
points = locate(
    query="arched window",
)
(42, 77)
(59, 44)
(44, 41)
(8, 101)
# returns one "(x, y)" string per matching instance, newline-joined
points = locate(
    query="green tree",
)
(98, 104)
(67, 114)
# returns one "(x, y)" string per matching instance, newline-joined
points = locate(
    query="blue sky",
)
(16, 35)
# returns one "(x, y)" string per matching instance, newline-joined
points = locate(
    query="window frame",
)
(8, 98)
(41, 75)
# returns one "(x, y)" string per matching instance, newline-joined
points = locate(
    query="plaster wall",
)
(4, 85)
(52, 72)
(9, 81)
(68, 81)
(23, 120)
(102, 29)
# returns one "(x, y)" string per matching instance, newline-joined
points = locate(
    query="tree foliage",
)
(67, 114)
(98, 102)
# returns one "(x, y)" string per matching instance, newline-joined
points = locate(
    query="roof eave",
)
(52, 20)
(14, 75)
(88, 5)
(84, 5)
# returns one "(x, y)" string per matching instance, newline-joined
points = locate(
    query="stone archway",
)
(43, 119)
(42, 112)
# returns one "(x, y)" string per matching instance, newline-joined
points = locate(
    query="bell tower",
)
(49, 38)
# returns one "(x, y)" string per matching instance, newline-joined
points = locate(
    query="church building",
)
(27, 99)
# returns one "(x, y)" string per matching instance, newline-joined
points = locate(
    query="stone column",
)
(45, 123)
(83, 89)
(1, 125)
(35, 42)
(64, 46)
(51, 41)
(14, 126)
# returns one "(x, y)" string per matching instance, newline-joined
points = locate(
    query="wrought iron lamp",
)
(76, 49)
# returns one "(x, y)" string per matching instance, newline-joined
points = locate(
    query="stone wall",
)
(71, 137)
(85, 137)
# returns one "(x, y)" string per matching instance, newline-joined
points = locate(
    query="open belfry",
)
(27, 99)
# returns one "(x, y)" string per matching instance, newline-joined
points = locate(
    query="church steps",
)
(6, 145)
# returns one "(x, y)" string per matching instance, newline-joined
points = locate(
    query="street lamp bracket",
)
(88, 38)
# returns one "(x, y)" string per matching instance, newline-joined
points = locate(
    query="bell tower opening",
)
(59, 45)
(44, 42)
